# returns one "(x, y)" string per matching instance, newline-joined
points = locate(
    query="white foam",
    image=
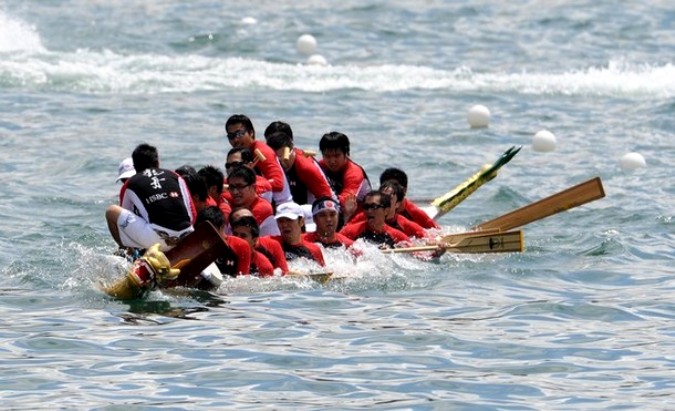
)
(16, 35)
(109, 72)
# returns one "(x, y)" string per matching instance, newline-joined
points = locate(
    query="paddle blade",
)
(443, 204)
(320, 277)
(575, 196)
(510, 242)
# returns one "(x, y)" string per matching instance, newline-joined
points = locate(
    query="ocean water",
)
(580, 320)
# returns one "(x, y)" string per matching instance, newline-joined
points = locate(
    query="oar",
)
(320, 277)
(511, 242)
(443, 204)
(575, 196)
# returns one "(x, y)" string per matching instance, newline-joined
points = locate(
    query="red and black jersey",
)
(161, 198)
(236, 259)
(388, 236)
(305, 249)
(307, 180)
(339, 240)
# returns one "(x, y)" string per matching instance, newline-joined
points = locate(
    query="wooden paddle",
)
(575, 196)
(474, 243)
(443, 204)
(320, 277)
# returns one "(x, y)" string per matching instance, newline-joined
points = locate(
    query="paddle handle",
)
(572, 197)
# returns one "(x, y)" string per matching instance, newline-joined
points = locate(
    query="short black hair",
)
(244, 173)
(241, 119)
(275, 126)
(145, 156)
(196, 185)
(334, 141)
(396, 174)
(213, 176)
(213, 215)
(396, 187)
(247, 221)
(279, 139)
(246, 154)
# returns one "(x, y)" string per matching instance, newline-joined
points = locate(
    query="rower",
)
(407, 208)
(290, 218)
(374, 229)
(241, 185)
(348, 179)
(304, 174)
(240, 133)
(240, 156)
(325, 212)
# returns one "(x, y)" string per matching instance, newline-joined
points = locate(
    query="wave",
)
(26, 65)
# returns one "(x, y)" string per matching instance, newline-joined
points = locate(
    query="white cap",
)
(289, 210)
(126, 169)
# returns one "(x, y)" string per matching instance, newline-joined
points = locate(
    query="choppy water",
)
(581, 320)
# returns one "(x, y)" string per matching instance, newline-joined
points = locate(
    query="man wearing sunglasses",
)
(240, 133)
(241, 185)
(240, 156)
(374, 229)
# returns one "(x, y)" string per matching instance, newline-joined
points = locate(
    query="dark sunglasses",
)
(372, 206)
(234, 164)
(236, 134)
(237, 187)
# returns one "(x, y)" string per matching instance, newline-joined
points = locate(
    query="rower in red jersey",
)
(241, 185)
(325, 212)
(290, 218)
(241, 156)
(348, 179)
(374, 229)
(407, 208)
(240, 133)
(266, 245)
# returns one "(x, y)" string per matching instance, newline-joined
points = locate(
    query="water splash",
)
(16, 35)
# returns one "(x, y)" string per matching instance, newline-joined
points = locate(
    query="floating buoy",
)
(632, 161)
(478, 116)
(249, 21)
(317, 60)
(306, 44)
(544, 141)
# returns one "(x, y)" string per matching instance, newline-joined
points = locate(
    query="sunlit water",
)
(581, 320)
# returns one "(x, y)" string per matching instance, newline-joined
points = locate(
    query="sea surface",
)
(582, 320)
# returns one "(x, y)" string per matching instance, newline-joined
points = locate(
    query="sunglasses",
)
(237, 187)
(234, 164)
(372, 206)
(237, 134)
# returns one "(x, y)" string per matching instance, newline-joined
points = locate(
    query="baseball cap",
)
(320, 206)
(126, 169)
(289, 210)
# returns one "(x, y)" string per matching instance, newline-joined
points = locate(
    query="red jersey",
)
(305, 249)
(271, 249)
(307, 180)
(401, 223)
(351, 180)
(340, 240)
(236, 259)
(271, 169)
(412, 212)
(389, 235)
(261, 265)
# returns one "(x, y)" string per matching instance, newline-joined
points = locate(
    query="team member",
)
(374, 229)
(278, 126)
(236, 259)
(396, 220)
(290, 218)
(247, 229)
(240, 133)
(240, 156)
(215, 179)
(155, 205)
(241, 185)
(326, 214)
(348, 179)
(266, 245)
(197, 187)
(304, 174)
(407, 208)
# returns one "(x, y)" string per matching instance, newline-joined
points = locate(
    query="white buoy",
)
(544, 141)
(249, 21)
(306, 44)
(317, 60)
(632, 161)
(478, 116)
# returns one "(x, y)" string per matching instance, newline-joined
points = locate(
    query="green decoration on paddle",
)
(443, 204)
